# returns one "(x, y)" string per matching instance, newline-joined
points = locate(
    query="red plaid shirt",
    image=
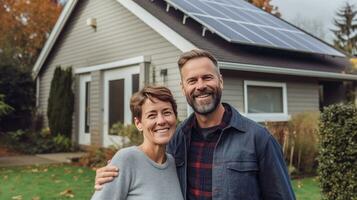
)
(200, 159)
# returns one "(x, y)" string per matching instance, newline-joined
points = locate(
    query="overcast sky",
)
(320, 11)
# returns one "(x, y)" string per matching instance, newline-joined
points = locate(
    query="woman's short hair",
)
(151, 92)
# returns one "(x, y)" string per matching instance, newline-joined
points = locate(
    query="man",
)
(220, 154)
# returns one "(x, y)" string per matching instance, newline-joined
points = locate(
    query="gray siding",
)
(301, 96)
(119, 35)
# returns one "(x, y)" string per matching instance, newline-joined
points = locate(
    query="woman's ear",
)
(138, 124)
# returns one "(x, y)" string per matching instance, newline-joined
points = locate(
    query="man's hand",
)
(105, 175)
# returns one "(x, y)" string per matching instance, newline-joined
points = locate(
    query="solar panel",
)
(238, 21)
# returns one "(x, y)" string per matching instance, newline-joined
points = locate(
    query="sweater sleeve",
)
(118, 189)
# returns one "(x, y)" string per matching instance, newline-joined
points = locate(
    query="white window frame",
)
(262, 117)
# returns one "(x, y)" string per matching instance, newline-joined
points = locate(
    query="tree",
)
(346, 29)
(4, 108)
(267, 6)
(18, 87)
(313, 26)
(25, 26)
(60, 103)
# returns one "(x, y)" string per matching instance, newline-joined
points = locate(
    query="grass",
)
(307, 189)
(47, 182)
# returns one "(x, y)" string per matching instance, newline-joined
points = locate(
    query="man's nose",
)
(201, 85)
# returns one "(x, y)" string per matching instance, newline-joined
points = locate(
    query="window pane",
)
(116, 102)
(262, 99)
(87, 108)
(135, 82)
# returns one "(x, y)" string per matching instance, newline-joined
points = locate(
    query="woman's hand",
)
(104, 175)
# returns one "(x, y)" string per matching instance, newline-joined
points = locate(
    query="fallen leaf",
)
(80, 171)
(75, 178)
(18, 197)
(67, 193)
(36, 198)
(5, 177)
(34, 170)
(45, 170)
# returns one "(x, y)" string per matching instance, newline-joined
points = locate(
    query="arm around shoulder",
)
(117, 189)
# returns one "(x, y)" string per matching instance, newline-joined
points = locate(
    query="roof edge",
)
(70, 5)
(165, 31)
(280, 70)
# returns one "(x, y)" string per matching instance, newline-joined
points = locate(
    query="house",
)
(117, 46)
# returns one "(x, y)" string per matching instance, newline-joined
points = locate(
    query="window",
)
(87, 108)
(265, 101)
(116, 102)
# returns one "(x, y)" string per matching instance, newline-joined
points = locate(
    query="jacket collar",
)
(237, 121)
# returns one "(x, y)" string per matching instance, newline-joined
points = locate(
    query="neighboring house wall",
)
(119, 35)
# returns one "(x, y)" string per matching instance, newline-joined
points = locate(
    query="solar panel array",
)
(238, 21)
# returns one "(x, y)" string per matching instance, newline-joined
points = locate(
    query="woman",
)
(146, 171)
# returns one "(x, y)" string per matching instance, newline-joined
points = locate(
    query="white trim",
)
(112, 65)
(280, 70)
(165, 31)
(83, 137)
(189, 110)
(261, 117)
(115, 74)
(62, 19)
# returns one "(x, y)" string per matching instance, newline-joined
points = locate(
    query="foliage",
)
(4, 108)
(97, 157)
(267, 6)
(346, 29)
(46, 182)
(60, 102)
(25, 27)
(338, 152)
(129, 134)
(298, 138)
(38, 142)
(18, 87)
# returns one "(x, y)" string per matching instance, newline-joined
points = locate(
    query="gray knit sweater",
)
(140, 178)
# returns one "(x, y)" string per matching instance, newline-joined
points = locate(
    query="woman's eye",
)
(168, 113)
(151, 116)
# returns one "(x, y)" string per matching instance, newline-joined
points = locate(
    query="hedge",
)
(338, 152)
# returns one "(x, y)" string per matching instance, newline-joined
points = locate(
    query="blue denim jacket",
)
(248, 163)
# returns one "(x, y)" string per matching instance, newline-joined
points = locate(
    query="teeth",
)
(202, 96)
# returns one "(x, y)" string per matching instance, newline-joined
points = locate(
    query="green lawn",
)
(48, 182)
(307, 189)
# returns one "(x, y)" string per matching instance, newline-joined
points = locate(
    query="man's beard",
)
(205, 109)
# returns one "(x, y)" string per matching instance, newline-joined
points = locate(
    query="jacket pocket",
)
(242, 177)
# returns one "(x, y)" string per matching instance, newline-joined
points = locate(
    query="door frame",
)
(84, 138)
(115, 74)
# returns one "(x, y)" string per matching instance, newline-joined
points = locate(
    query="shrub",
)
(298, 138)
(38, 142)
(60, 103)
(129, 134)
(97, 157)
(338, 152)
(4, 108)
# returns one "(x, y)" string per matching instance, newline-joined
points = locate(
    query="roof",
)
(187, 36)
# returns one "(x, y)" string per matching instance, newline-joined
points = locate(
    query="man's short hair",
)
(196, 53)
(151, 92)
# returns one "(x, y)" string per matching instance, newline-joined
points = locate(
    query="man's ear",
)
(138, 124)
(182, 90)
